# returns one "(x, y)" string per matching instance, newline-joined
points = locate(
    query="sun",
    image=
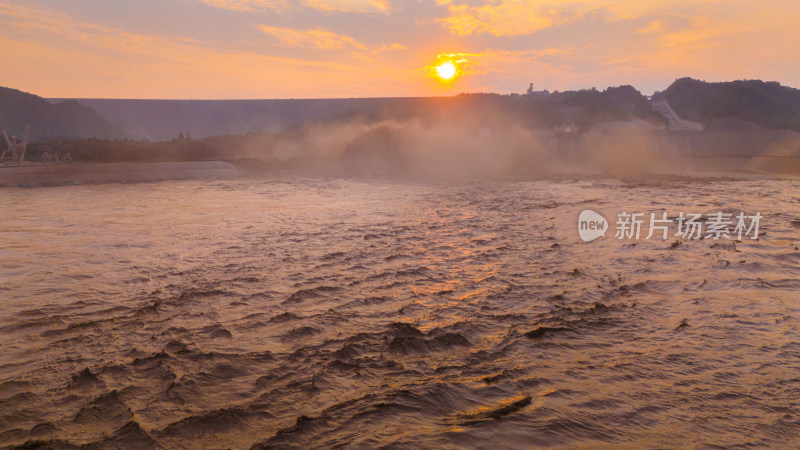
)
(446, 70)
(449, 67)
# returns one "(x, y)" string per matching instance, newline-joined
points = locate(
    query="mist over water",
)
(316, 312)
(461, 144)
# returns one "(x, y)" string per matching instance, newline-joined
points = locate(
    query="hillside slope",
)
(66, 119)
(767, 104)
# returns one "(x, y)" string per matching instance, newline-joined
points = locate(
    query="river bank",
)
(124, 172)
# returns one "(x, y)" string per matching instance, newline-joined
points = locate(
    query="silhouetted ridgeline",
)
(66, 119)
(584, 108)
(725, 105)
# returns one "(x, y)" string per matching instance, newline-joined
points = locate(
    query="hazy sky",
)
(363, 48)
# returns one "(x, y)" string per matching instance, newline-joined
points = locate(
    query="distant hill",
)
(612, 104)
(67, 119)
(767, 104)
(585, 108)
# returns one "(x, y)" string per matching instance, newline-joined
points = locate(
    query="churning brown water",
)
(328, 312)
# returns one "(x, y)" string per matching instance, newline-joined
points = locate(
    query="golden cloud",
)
(312, 38)
(93, 60)
(521, 17)
(60, 28)
(655, 26)
(507, 18)
(359, 6)
(247, 5)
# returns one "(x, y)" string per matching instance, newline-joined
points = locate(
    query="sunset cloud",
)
(361, 6)
(358, 6)
(312, 39)
(29, 22)
(522, 17)
(111, 61)
(505, 18)
(248, 5)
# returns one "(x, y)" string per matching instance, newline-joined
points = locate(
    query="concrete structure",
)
(675, 123)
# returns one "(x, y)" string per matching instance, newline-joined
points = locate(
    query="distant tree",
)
(765, 103)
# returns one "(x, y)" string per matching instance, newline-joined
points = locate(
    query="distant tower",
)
(537, 93)
(17, 148)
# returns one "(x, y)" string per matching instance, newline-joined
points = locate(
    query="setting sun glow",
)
(449, 67)
(446, 70)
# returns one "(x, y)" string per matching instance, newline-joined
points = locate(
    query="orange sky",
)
(366, 48)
